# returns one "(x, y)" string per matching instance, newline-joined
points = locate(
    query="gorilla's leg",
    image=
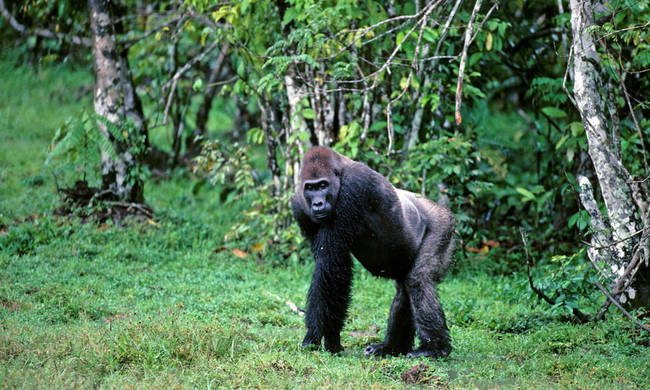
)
(427, 312)
(401, 330)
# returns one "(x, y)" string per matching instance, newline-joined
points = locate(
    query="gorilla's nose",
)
(317, 205)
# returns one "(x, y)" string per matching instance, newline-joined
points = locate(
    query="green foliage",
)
(161, 304)
(266, 227)
(67, 18)
(569, 281)
(454, 163)
(77, 146)
(227, 164)
(75, 149)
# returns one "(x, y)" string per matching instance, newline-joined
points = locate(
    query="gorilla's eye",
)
(322, 185)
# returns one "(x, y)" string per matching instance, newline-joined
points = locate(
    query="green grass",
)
(33, 103)
(158, 305)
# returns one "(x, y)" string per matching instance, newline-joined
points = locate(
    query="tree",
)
(158, 50)
(619, 244)
(119, 109)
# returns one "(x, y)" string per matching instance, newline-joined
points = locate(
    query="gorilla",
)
(343, 207)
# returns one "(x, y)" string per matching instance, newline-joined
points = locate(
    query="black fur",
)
(393, 233)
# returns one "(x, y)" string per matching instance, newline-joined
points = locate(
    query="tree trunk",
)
(115, 101)
(616, 239)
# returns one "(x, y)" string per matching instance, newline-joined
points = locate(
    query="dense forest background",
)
(528, 119)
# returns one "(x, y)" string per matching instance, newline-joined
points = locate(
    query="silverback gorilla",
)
(345, 207)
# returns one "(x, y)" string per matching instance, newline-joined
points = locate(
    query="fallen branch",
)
(627, 314)
(146, 210)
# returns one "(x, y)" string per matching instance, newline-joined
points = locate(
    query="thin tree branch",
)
(388, 62)
(643, 27)
(130, 42)
(487, 16)
(582, 317)
(139, 206)
(179, 73)
(629, 105)
(422, 22)
(463, 60)
(445, 29)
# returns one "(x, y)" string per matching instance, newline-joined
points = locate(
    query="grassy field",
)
(158, 305)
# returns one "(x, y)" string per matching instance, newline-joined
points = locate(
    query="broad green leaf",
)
(527, 194)
(561, 141)
(577, 128)
(553, 112)
(303, 136)
(308, 113)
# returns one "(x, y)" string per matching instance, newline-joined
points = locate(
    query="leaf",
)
(553, 112)
(303, 136)
(308, 113)
(223, 11)
(378, 125)
(289, 15)
(473, 91)
(430, 35)
(404, 82)
(198, 85)
(527, 194)
(239, 253)
(400, 38)
(570, 153)
(488, 42)
(577, 128)
(561, 141)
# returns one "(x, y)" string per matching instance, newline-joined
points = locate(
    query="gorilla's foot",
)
(377, 350)
(311, 345)
(383, 350)
(433, 353)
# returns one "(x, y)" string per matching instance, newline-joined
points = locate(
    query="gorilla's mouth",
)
(321, 216)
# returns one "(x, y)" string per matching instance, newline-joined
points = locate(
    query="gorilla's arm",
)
(329, 293)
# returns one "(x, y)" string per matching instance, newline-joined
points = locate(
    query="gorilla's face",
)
(320, 195)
